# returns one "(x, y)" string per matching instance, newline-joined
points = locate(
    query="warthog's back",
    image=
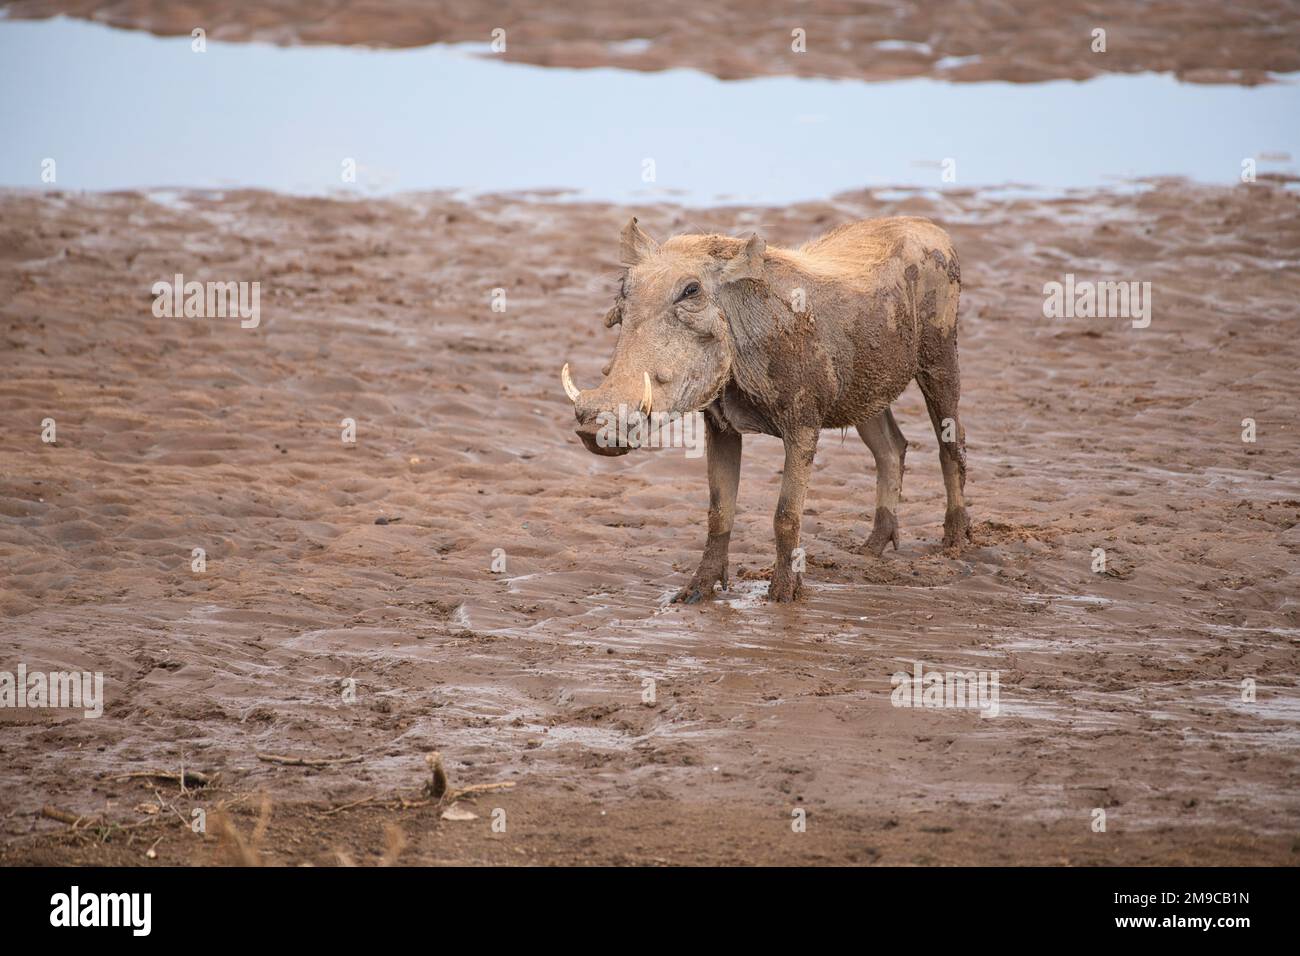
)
(866, 254)
(882, 295)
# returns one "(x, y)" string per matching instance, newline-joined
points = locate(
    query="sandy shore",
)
(967, 40)
(1120, 690)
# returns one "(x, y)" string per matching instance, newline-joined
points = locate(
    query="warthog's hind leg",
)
(941, 385)
(883, 436)
(724, 446)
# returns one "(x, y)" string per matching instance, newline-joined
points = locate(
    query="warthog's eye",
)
(692, 289)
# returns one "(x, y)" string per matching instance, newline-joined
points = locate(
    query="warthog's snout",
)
(596, 409)
(588, 435)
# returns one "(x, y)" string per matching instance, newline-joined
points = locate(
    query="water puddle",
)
(117, 109)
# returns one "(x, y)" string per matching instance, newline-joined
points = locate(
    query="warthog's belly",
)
(878, 357)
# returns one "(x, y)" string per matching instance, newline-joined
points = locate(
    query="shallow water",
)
(119, 109)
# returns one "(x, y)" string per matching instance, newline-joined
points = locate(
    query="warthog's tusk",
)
(647, 400)
(567, 381)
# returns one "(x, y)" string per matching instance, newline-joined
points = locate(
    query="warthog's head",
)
(675, 348)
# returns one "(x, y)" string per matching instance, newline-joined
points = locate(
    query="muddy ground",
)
(1120, 690)
(1018, 41)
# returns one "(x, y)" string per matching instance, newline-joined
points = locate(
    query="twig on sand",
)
(233, 801)
(474, 788)
(438, 792)
(307, 761)
(84, 824)
(73, 820)
(168, 806)
(192, 777)
(347, 806)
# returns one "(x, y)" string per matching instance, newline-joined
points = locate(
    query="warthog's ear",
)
(747, 263)
(634, 245)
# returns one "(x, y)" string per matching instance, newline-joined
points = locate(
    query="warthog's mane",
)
(846, 254)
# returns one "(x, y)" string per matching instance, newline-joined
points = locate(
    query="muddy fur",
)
(786, 342)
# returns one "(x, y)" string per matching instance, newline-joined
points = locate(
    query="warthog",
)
(786, 342)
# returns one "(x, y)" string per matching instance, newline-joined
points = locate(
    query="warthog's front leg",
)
(800, 449)
(724, 478)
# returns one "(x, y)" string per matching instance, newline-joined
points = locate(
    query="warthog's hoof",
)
(956, 530)
(692, 594)
(785, 588)
(884, 530)
(701, 586)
